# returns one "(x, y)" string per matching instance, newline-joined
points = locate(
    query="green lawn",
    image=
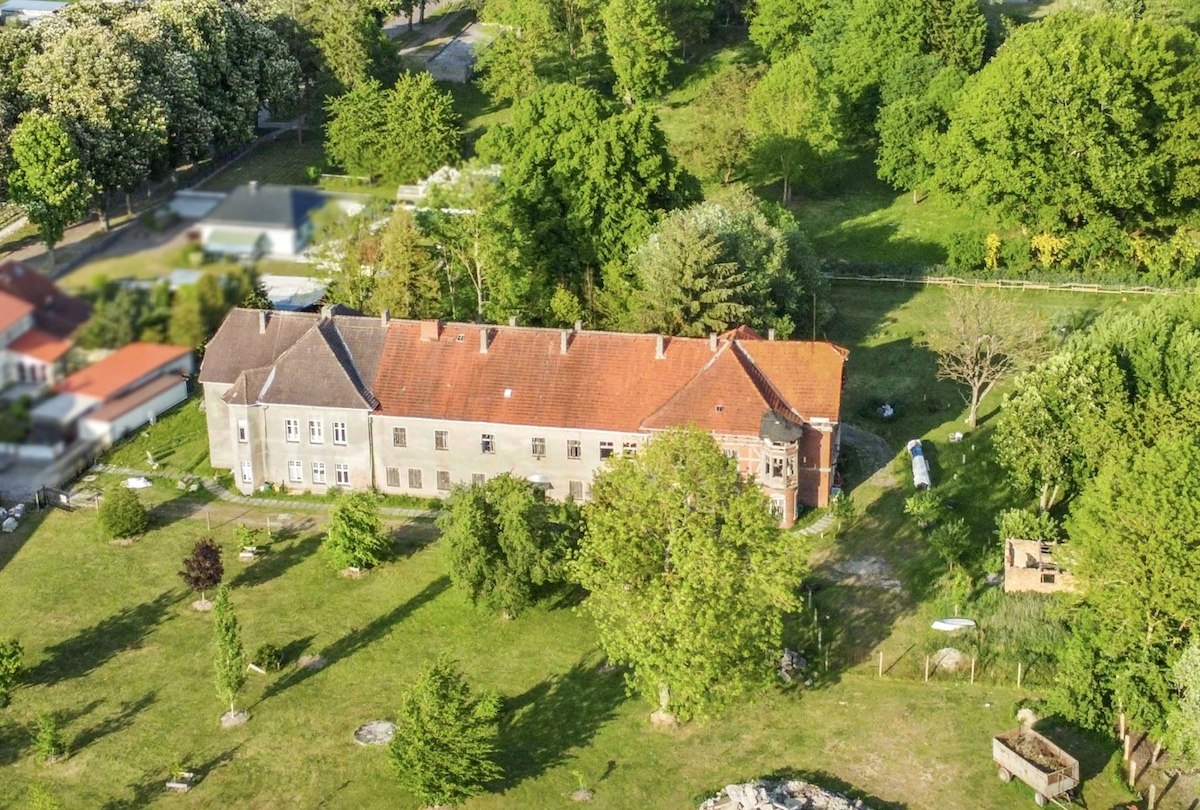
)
(116, 649)
(285, 161)
(177, 442)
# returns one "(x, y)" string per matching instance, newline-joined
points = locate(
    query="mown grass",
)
(177, 442)
(115, 648)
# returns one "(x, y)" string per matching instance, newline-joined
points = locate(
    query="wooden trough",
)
(1039, 763)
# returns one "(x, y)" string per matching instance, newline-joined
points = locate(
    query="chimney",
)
(384, 317)
(770, 334)
(563, 343)
(512, 320)
(712, 342)
(431, 330)
(262, 321)
(483, 340)
(658, 347)
(578, 326)
(253, 186)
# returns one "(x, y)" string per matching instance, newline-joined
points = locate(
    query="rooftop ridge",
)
(773, 396)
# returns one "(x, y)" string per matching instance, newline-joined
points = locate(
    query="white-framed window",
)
(606, 449)
(243, 431)
(487, 443)
(539, 448)
(318, 472)
(443, 480)
(441, 440)
(414, 478)
(339, 432)
(291, 429)
(399, 437)
(296, 471)
(316, 431)
(341, 473)
(574, 449)
(575, 490)
(393, 476)
(777, 506)
(629, 448)
(478, 479)
(247, 473)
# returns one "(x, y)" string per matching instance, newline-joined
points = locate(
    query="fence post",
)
(927, 669)
(1152, 797)
(972, 669)
(1121, 727)
(1128, 746)
(881, 663)
(1157, 751)
(1019, 672)
(1132, 773)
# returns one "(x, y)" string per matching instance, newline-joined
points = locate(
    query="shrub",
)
(203, 569)
(844, 510)
(951, 541)
(926, 507)
(356, 538)
(122, 514)
(48, 739)
(268, 658)
(11, 668)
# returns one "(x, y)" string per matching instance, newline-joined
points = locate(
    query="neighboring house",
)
(1030, 565)
(29, 12)
(37, 326)
(315, 401)
(265, 220)
(112, 398)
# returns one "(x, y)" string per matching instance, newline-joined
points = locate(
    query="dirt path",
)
(874, 454)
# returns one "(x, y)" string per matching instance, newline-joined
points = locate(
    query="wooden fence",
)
(1012, 284)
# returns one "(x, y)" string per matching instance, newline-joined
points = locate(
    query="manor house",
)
(309, 401)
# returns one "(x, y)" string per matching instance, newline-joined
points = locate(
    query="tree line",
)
(1104, 435)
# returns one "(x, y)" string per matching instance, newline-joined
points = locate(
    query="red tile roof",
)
(120, 369)
(12, 310)
(41, 345)
(605, 380)
(56, 312)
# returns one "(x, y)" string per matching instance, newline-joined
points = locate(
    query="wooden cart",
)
(1039, 763)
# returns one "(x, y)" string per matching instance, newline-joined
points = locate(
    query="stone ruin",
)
(782, 795)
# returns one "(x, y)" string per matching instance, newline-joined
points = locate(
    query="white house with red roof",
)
(37, 327)
(111, 398)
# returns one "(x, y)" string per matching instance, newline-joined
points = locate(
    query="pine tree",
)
(444, 750)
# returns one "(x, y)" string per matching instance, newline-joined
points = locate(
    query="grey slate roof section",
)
(300, 359)
(267, 206)
(779, 428)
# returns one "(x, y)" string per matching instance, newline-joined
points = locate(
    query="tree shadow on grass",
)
(93, 647)
(544, 724)
(1092, 749)
(14, 738)
(356, 640)
(110, 725)
(153, 783)
(407, 540)
(277, 558)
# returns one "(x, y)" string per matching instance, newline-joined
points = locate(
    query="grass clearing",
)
(177, 441)
(284, 161)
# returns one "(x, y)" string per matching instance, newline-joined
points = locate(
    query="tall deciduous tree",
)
(48, 179)
(724, 145)
(504, 541)
(1183, 720)
(910, 129)
(640, 45)
(795, 119)
(688, 576)
(1135, 546)
(985, 341)
(779, 26)
(203, 569)
(444, 748)
(1080, 121)
(355, 538)
(366, 123)
(230, 658)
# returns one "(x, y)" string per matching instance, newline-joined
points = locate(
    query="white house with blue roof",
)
(258, 220)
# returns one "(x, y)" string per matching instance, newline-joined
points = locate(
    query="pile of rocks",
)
(786, 795)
